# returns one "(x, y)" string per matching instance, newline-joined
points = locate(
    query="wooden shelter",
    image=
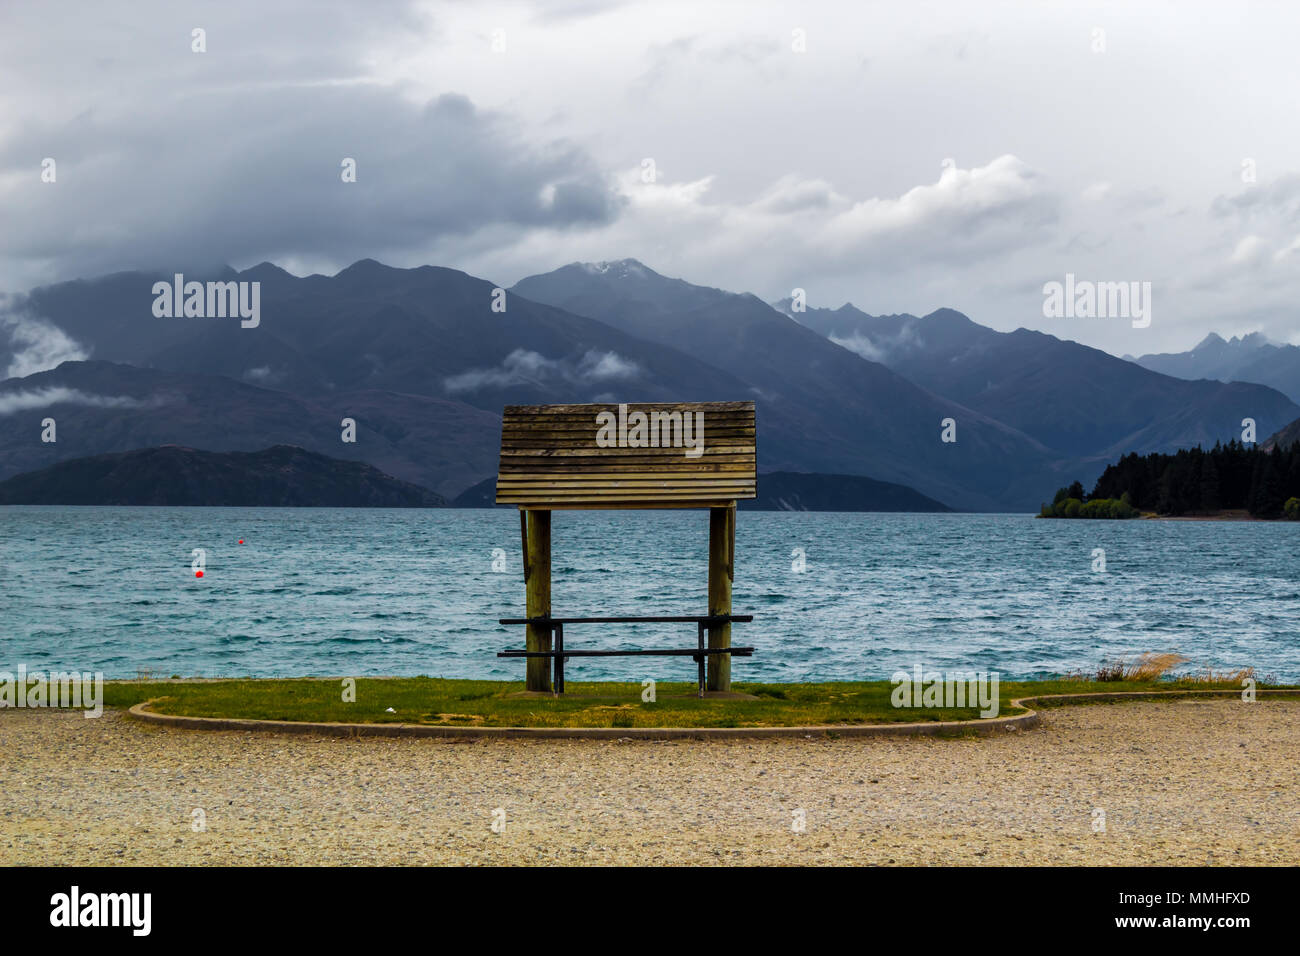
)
(603, 457)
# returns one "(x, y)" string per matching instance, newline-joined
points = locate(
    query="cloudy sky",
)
(901, 156)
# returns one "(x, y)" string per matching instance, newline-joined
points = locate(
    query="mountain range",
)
(1247, 358)
(424, 359)
(1078, 401)
(100, 407)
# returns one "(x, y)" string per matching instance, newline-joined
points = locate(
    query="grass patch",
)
(435, 701)
(1153, 666)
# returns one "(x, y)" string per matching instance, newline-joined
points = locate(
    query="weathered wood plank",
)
(581, 464)
(623, 474)
(634, 505)
(615, 487)
(542, 449)
(571, 425)
(579, 438)
(547, 498)
(644, 406)
(595, 412)
(550, 457)
(595, 489)
(550, 503)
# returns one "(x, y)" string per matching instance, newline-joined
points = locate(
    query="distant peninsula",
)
(283, 476)
(786, 491)
(1226, 482)
(799, 491)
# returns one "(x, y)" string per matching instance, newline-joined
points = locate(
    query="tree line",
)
(1191, 481)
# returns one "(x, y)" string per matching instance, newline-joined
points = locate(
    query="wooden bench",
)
(558, 654)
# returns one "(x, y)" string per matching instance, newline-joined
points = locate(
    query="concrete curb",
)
(980, 728)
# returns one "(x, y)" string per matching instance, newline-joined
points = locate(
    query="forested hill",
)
(1200, 481)
(283, 476)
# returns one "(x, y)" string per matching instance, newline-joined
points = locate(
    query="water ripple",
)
(414, 592)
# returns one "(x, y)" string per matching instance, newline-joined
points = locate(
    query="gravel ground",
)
(1193, 782)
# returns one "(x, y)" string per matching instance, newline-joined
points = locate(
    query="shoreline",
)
(1220, 516)
(1236, 515)
(1185, 783)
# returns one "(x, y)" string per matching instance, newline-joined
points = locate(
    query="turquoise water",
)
(333, 591)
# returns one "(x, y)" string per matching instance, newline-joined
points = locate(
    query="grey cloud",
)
(263, 375)
(686, 52)
(605, 366)
(22, 401)
(259, 177)
(524, 367)
(880, 348)
(168, 158)
(1280, 197)
(520, 367)
(791, 194)
(566, 11)
(33, 343)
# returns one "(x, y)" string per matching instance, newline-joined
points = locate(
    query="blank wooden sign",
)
(648, 455)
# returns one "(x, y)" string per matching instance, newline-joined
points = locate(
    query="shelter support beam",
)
(537, 586)
(722, 556)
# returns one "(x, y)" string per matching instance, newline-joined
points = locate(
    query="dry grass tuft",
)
(1209, 676)
(1146, 667)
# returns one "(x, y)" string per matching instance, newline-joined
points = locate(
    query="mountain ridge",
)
(427, 352)
(1247, 358)
(178, 476)
(1078, 400)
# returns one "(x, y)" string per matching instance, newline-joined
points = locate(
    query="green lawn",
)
(423, 700)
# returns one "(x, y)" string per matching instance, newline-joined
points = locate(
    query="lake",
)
(409, 592)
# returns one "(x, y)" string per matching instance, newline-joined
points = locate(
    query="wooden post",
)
(722, 554)
(537, 586)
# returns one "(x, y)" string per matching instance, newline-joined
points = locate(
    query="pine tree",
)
(1210, 500)
(1266, 490)
(1253, 496)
